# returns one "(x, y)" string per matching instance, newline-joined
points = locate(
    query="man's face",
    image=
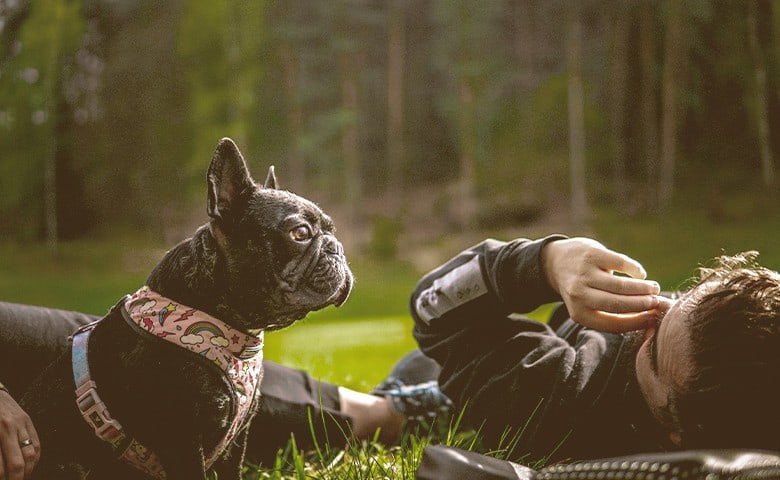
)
(663, 363)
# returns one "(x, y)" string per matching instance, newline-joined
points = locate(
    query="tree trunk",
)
(233, 54)
(760, 94)
(466, 194)
(525, 45)
(621, 25)
(296, 166)
(396, 59)
(50, 160)
(349, 136)
(775, 6)
(50, 195)
(674, 53)
(576, 104)
(648, 107)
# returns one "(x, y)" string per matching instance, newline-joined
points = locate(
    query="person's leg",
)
(31, 337)
(289, 398)
(294, 403)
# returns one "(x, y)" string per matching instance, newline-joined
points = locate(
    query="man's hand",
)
(582, 271)
(17, 457)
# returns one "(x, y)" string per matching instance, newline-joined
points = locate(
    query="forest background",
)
(422, 126)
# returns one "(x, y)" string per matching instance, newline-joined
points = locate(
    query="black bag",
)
(448, 463)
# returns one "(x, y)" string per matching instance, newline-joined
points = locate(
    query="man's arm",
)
(510, 370)
(501, 367)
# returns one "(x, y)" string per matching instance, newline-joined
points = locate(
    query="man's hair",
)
(732, 400)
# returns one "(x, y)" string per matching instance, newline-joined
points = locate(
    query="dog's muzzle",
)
(322, 271)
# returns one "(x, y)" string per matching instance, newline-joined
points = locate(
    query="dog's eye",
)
(301, 233)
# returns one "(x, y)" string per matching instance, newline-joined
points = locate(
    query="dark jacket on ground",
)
(539, 393)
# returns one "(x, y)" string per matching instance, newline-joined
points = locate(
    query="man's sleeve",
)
(513, 376)
(505, 276)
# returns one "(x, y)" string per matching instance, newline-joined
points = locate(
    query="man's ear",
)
(228, 182)
(270, 180)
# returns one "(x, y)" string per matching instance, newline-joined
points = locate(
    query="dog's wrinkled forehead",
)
(274, 207)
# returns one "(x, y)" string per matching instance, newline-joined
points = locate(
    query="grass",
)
(357, 344)
(358, 461)
(355, 353)
(89, 276)
(671, 247)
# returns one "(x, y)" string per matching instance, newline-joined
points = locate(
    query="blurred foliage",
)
(127, 99)
(384, 241)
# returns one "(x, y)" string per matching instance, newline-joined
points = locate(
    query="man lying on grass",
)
(699, 372)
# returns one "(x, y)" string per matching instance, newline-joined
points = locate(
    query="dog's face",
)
(279, 252)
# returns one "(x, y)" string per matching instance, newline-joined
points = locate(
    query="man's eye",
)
(301, 233)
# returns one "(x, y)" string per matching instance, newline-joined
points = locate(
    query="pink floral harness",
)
(237, 354)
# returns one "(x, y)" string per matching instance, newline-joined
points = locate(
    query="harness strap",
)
(237, 354)
(96, 413)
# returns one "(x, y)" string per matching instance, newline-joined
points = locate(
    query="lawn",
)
(356, 353)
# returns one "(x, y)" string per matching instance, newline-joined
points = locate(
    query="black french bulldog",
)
(266, 258)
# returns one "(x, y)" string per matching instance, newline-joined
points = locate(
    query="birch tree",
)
(674, 55)
(648, 98)
(576, 108)
(760, 99)
(396, 61)
(618, 84)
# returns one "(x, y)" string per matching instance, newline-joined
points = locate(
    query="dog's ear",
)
(270, 180)
(228, 181)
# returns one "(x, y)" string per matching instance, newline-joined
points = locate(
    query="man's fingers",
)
(31, 455)
(623, 285)
(33, 433)
(32, 452)
(617, 262)
(13, 461)
(610, 303)
(617, 323)
(630, 267)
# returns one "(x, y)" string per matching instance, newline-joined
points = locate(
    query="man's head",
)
(710, 370)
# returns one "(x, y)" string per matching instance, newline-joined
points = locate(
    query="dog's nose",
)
(333, 246)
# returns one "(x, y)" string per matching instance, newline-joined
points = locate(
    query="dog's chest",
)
(235, 353)
(206, 350)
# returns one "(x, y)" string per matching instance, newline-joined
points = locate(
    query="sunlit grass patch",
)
(356, 353)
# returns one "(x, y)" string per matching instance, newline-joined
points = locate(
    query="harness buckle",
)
(96, 414)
